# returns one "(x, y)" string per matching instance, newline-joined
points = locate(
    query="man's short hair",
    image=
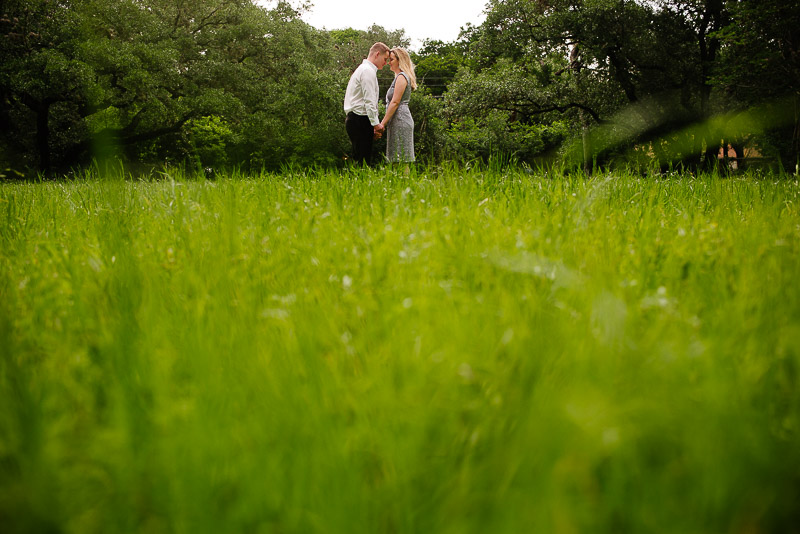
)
(378, 48)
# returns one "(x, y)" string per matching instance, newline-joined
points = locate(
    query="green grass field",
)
(461, 351)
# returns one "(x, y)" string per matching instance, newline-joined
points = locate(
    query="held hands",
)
(377, 131)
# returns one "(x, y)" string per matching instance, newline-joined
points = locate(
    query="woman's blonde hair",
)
(405, 64)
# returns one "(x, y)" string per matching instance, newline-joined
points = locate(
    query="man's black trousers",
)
(361, 133)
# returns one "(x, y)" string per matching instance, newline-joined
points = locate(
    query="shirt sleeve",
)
(369, 85)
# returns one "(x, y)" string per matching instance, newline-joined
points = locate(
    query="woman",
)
(398, 122)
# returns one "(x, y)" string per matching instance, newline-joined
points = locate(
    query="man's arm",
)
(369, 85)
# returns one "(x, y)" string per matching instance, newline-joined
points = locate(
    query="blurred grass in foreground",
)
(461, 351)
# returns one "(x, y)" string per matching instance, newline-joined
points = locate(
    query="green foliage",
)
(209, 138)
(761, 50)
(39, 71)
(125, 79)
(494, 135)
(296, 110)
(350, 47)
(457, 351)
(637, 73)
(760, 65)
(437, 64)
(430, 128)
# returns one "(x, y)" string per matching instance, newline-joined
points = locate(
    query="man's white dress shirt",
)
(361, 96)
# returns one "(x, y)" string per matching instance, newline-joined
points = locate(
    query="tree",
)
(144, 78)
(160, 64)
(437, 64)
(760, 66)
(350, 48)
(39, 71)
(545, 62)
(295, 110)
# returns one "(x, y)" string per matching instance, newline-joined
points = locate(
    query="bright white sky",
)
(421, 19)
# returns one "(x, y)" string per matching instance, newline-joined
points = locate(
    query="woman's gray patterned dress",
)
(400, 130)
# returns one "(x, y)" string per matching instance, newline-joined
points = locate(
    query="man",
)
(361, 104)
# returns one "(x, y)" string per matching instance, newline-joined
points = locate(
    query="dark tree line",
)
(216, 83)
(633, 81)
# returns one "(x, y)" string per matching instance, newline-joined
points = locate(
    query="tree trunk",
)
(796, 135)
(587, 153)
(43, 135)
(709, 45)
(41, 108)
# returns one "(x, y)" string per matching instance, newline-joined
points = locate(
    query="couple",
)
(361, 106)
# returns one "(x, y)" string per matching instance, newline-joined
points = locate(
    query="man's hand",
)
(377, 131)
